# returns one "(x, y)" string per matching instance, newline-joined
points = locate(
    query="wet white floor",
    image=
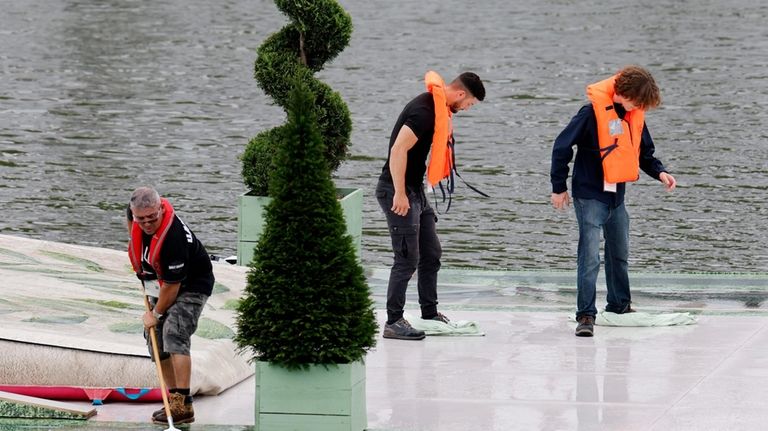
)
(528, 373)
(531, 373)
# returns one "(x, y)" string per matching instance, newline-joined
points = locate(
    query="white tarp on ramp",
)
(71, 316)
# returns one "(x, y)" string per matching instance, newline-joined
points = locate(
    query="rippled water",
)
(98, 97)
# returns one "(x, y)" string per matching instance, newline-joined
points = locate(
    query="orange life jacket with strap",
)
(619, 139)
(441, 154)
(442, 160)
(136, 248)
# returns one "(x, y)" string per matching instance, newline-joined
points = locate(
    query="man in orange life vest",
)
(613, 145)
(178, 277)
(423, 126)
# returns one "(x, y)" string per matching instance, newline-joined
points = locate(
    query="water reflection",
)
(588, 409)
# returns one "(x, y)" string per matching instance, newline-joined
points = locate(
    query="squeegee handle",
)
(156, 357)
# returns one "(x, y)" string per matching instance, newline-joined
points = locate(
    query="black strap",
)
(452, 144)
(476, 190)
(450, 198)
(609, 149)
(451, 181)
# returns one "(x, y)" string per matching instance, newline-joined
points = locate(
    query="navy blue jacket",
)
(587, 181)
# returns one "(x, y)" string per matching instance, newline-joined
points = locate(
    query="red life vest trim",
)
(135, 246)
(619, 140)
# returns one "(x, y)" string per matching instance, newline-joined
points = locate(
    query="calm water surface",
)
(98, 97)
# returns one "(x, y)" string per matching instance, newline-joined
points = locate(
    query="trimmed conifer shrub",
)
(306, 300)
(319, 30)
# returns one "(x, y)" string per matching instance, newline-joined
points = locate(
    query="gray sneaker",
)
(402, 330)
(586, 326)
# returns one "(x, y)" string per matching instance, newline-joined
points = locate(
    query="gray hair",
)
(145, 197)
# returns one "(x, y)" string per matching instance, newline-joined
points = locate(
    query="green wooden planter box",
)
(317, 399)
(250, 221)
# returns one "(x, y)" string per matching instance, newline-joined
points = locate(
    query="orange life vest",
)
(441, 155)
(135, 246)
(619, 139)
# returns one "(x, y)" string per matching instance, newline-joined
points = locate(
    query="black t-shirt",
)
(419, 116)
(183, 258)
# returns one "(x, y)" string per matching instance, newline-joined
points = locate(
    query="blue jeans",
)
(595, 216)
(415, 246)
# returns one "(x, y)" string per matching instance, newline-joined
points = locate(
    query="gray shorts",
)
(175, 329)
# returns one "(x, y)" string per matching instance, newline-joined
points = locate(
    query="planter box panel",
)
(341, 376)
(359, 415)
(252, 209)
(313, 391)
(313, 399)
(352, 206)
(311, 402)
(287, 422)
(245, 252)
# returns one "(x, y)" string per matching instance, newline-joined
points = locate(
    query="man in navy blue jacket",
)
(612, 142)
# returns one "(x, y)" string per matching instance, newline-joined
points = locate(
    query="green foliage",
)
(306, 300)
(257, 161)
(319, 30)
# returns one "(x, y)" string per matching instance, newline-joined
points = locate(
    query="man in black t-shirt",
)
(400, 193)
(178, 277)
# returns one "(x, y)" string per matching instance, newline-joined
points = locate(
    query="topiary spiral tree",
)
(319, 30)
(307, 300)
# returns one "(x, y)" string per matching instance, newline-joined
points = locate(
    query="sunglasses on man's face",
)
(151, 218)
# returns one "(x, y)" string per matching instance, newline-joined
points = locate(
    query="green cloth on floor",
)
(453, 327)
(606, 318)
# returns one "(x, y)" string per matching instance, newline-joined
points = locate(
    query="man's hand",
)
(560, 201)
(398, 162)
(668, 180)
(149, 319)
(400, 204)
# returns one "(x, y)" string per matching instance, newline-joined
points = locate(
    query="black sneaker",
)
(402, 330)
(586, 326)
(439, 317)
(627, 308)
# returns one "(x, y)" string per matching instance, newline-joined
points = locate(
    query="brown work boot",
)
(158, 412)
(181, 412)
(586, 326)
